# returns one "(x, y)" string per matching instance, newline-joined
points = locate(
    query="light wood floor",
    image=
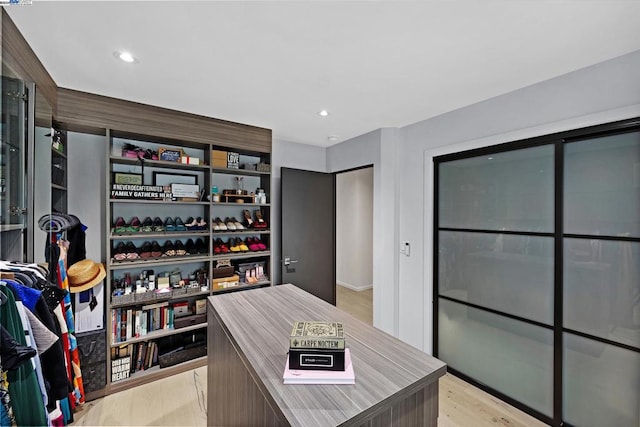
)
(181, 399)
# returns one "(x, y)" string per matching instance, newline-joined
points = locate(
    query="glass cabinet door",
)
(13, 194)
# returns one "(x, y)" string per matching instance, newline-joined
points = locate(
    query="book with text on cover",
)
(294, 376)
(313, 334)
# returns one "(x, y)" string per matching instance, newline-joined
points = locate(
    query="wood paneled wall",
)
(84, 111)
(20, 59)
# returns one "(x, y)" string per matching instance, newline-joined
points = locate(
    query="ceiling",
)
(276, 64)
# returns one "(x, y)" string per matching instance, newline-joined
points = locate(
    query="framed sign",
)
(166, 178)
(126, 178)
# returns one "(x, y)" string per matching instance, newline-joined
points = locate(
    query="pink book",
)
(298, 376)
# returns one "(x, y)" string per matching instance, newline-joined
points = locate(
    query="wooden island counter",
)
(248, 340)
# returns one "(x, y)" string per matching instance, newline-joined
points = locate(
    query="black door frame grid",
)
(558, 140)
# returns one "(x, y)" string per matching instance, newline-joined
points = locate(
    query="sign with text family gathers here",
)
(146, 192)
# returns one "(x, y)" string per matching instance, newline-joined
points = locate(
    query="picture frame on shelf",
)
(168, 178)
(126, 178)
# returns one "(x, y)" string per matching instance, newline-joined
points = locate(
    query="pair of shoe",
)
(195, 224)
(231, 224)
(174, 249)
(174, 225)
(197, 247)
(121, 227)
(125, 251)
(237, 245)
(256, 222)
(150, 250)
(219, 247)
(152, 226)
(255, 244)
(135, 226)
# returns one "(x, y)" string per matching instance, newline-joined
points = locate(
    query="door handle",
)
(289, 261)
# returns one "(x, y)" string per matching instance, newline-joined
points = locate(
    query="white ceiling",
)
(275, 64)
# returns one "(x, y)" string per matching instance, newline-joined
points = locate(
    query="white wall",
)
(594, 95)
(290, 155)
(354, 229)
(370, 149)
(86, 188)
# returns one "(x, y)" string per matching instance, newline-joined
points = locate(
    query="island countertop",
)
(248, 340)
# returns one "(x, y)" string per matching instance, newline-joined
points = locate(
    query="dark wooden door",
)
(308, 257)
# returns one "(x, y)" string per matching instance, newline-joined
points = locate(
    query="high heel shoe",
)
(201, 246)
(179, 224)
(255, 242)
(230, 225)
(221, 225)
(145, 250)
(120, 226)
(168, 249)
(223, 247)
(156, 250)
(134, 225)
(147, 225)
(260, 222)
(233, 246)
(201, 224)
(190, 246)
(241, 245)
(169, 225)
(237, 223)
(119, 252)
(131, 251)
(158, 226)
(248, 221)
(191, 224)
(180, 249)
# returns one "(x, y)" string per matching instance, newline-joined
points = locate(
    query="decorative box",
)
(189, 320)
(175, 357)
(218, 159)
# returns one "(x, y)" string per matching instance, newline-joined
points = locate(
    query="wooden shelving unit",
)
(230, 206)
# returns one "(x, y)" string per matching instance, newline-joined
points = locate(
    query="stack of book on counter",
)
(317, 355)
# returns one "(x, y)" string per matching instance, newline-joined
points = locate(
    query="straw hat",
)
(84, 275)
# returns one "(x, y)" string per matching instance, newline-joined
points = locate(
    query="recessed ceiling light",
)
(489, 158)
(332, 138)
(323, 113)
(125, 56)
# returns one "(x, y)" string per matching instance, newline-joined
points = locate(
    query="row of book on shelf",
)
(130, 358)
(135, 322)
(318, 355)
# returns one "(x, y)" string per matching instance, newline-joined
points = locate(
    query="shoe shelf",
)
(239, 205)
(242, 286)
(180, 297)
(246, 231)
(161, 235)
(158, 202)
(185, 259)
(241, 255)
(245, 172)
(159, 164)
(159, 334)
(148, 171)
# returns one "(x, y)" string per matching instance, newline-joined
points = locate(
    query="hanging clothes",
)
(6, 411)
(41, 297)
(24, 391)
(76, 397)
